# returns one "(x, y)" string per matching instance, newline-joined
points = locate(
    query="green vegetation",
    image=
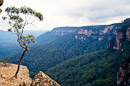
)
(125, 24)
(46, 38)
(74, 62)
(4, 62)
(49, 55)
(93, 69)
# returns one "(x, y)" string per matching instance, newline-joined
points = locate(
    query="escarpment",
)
(100, 32)
(123, 75)
(122, 34)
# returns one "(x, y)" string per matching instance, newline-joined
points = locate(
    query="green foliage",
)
(18, 18)
(29, 38)
(125, 24)
(126, 49)
(94, 69)
(49, 55)
(13, 12)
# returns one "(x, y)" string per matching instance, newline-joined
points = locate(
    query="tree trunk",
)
(19, 62)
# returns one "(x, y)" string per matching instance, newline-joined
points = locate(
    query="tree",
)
(18, 19)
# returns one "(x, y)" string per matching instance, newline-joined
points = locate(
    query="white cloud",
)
(73, 12)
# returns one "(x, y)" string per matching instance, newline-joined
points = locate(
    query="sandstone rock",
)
(7, 72)
(42, 79)
(123, 76)
(96, 32)
(108, 28)
(121, 36)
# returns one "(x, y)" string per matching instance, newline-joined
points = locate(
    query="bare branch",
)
(18, 40)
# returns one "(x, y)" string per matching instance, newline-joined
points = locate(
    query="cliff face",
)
(99, 32)
(96, 32)
(123, 75)
(54, 34)
(121, 36)
(7, 72)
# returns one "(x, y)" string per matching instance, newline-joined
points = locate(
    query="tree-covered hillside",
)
(46, 56)
(54, 34)
(93, 69)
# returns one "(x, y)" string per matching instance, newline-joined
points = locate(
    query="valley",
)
(79, 56)
(8, 41)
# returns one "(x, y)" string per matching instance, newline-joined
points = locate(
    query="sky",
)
(58, 13)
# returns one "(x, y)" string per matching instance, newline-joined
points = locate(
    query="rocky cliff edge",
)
(8, 70)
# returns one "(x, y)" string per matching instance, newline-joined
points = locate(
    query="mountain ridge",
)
(61, 49)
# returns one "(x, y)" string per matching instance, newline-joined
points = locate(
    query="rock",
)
(123, 76)
(120, 37)
(42, 79)
(96, 32)
(7, 72)
(122, 34)
(128, 34)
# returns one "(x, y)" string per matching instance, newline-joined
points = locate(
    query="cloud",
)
(102, 10)
(75, 12)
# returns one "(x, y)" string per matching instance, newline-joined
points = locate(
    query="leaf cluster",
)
(29, 38)
(18, 18)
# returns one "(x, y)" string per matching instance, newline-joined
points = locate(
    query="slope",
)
(93, 69)
(54, 34)
(57, 51)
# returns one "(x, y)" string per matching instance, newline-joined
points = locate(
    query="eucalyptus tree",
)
(18, 19)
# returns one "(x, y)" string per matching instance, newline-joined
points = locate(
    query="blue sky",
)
(72, 12)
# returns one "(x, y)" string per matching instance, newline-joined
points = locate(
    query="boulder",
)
(42, 79)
